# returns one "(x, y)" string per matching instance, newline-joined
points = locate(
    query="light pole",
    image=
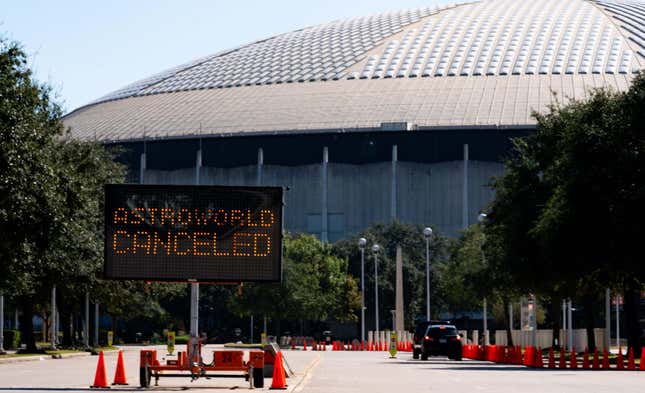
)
(427, 232)
(481, 218)
(375, 249)
(361, 245)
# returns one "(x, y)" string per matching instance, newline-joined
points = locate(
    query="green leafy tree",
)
(315, 286)
(567, 212)
(413, 247)
(51, 191)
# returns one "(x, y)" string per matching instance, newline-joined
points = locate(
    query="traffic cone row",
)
(100, 377)
(620, 362)
(532, 357)
(585, 359)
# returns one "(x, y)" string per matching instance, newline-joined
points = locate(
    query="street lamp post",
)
(427, 232)
(481, 218)
(375, 249)
(361, 245)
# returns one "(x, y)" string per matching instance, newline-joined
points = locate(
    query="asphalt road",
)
(328, 371)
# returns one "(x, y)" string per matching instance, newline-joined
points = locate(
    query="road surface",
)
(336, 372)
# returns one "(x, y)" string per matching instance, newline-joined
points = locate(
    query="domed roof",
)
(488, 63)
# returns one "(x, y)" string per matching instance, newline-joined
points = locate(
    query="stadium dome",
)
(435, 87)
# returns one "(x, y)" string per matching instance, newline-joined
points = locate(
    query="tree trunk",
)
(65, 319)
(45, 330)
(632, 327)
(556, 314)
(26, 324)
(588, 303)
(507, 319)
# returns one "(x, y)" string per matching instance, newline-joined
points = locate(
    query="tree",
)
(315, 286)
(566, 218)
(51, 193)
(413, 247)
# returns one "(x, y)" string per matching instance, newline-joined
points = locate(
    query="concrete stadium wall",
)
(361, 195)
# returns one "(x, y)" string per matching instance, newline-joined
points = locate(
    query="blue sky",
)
(85, 49)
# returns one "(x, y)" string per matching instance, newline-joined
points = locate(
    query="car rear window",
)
(439, 331)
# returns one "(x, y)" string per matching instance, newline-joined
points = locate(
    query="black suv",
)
(419, 333)
(441, 340)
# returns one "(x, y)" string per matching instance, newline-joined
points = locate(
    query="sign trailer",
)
(208, 234)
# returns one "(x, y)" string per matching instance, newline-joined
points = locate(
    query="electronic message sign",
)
(193, 233)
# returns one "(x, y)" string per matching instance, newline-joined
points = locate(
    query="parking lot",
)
(333, 372)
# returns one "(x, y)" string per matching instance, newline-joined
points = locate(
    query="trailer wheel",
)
(258, 378)
(144, 377)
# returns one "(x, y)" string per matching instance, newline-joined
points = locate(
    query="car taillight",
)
(455, 338)
(427, 338)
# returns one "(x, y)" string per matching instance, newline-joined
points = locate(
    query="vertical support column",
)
(54, 322)
(258, 179)
(376, 317)
(1, 323)
(142, 166)
(485, 322)
(617, 323)
(570, 328)
(395, 159)
(564, 324)
(198, 164)
(15, 319)
(96, 324)
(510, 317)
(399, 311)
(86, 328)
(534, 321)
(325, 162)
(464, 196)
(194, 309)
(608, 317)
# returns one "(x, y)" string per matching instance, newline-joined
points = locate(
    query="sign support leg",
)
(194, 309)
(193, 355)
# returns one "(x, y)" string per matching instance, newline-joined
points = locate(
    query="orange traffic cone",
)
(573, 362)
(119, 375)
(551, 358)
(293, 344)
(539, 363)
(279, 380)
(100, 378)
(585, 359)
(563, 360)
(605, 359)
(631, 365)
(304, 345)
(620, 362)
(642, 365)
(596, 361)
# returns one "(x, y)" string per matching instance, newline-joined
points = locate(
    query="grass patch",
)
(245, 346)
(112, 348)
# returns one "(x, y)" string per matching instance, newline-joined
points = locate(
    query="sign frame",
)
(132, 187)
